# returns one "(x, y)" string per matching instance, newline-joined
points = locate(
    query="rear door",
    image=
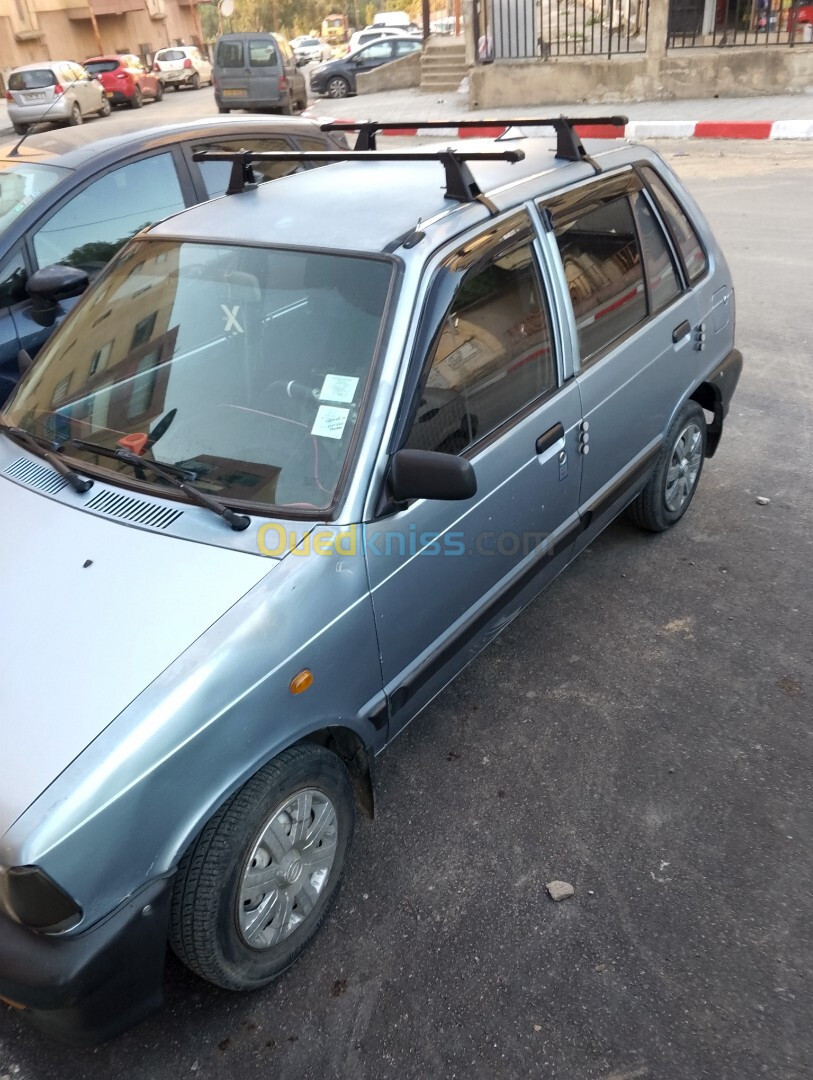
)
(635, 320)
(488, 386)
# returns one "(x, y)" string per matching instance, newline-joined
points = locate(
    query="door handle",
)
(681, 331)
(551, 436)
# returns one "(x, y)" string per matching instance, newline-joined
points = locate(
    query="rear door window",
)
(216, 173)
(602, 263)
(683, 232)
(262, 54)
(230, 54)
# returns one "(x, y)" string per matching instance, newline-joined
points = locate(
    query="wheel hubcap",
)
(684, 467)
(287, 869)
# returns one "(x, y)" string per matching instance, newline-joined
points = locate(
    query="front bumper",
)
(93, 986)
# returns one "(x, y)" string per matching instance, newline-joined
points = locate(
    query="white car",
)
(374, 33)
(309, 49)
(182, 65)
(54, 91)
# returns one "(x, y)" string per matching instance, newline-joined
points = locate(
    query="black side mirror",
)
(48, 286)
(426, 474)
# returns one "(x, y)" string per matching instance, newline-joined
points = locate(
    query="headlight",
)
(34, 899)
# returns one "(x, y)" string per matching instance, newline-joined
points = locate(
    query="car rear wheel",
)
(76, 118)
(137, 100)
(194, 82)
(258, 882)
(106, 108)
(338, 87)
(20, 129)
(223, 109)
(670, 489)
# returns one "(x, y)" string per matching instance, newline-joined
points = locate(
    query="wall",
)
(397, 75)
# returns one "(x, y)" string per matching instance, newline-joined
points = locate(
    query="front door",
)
(445, 575)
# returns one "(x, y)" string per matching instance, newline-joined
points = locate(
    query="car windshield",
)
(21, 185)
(245, 366)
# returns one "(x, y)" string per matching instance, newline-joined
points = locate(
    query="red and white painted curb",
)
(637, 130)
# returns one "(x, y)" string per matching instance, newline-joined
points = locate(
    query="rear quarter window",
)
(683, 232)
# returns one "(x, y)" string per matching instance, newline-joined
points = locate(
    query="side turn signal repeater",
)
(301, 682)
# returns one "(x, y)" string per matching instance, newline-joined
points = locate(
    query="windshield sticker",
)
(338, 388)
(231, 318)
(330, 422)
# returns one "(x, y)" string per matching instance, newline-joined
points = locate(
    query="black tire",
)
(76, 118)
(176, 87)
(337, 87)
(159, 92)
(287, 107)
(223, 109)
(20, 129)
(137, 100)
(205, 930)
(194, 82)
(106, 108)
(674, 480)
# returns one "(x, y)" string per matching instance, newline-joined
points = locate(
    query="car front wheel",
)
(258, 882)
(106, 108)
(338, 87)
(159, 91)
(137, 100)
(670, 489)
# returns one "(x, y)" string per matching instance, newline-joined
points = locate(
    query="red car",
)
(801, 14)
(125, 79)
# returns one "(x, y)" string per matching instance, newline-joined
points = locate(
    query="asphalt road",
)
(642, 731)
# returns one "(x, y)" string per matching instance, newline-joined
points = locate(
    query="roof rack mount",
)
(460, 184)
(568, 143)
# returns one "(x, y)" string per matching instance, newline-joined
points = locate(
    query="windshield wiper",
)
(120, 454)
(238, 522)
(47, 449)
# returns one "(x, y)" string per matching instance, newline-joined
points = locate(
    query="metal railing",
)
(695, 24)
(527, 29)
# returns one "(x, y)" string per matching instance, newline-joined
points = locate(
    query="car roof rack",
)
(568, 142)
(460, 184)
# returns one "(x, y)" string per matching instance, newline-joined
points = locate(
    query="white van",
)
(399, 19)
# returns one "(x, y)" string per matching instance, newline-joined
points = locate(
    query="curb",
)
(635, 129)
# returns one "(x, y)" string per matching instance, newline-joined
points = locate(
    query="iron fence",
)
(524, 29)
(719, 23)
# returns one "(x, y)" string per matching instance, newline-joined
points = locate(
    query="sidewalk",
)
(782, 116)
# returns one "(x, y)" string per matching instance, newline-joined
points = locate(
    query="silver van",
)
(257, 71)
(284, 470)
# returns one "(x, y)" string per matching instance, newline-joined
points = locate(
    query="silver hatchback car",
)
(53, 91)
(282, 473)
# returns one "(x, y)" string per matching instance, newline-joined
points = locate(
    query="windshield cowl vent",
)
(34, 475)
(125, 508)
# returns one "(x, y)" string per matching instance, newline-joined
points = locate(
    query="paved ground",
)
(642, 731)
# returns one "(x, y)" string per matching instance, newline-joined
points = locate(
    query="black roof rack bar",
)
(568, 143)
(460, 184)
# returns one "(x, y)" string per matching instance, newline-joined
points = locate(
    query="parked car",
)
(74, 203)
(375, 33)
(800, 15)
(126, 80)
(337, 78)
(294, 459)
(257, 71)
(54, 91)
(308, 50)
(182, 65)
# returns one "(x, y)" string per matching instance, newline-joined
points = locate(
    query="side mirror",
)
(426, 474)
(48, 286)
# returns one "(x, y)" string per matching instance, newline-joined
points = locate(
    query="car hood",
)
(92, 612)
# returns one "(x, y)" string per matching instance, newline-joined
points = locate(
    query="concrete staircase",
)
(443, 64)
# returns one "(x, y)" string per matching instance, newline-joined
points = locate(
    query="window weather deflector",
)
(568, 141)
(460, 184)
